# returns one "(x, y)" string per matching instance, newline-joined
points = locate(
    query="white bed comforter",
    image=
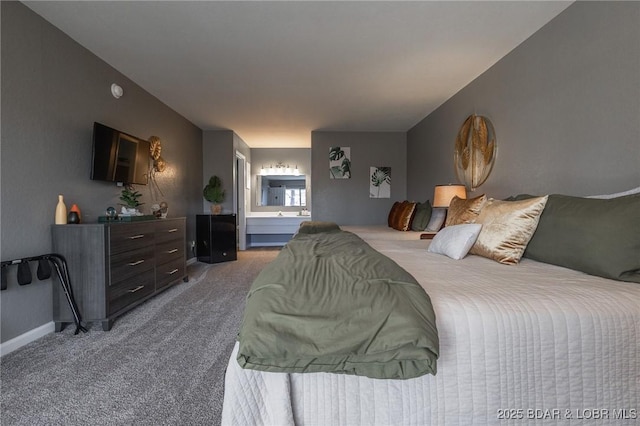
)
(532, 343)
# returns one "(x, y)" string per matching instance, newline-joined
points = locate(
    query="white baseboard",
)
(26, 338)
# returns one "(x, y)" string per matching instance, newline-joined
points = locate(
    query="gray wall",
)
(260, 157)
(565, 105)
(346, 201)
(52, 91)
(219, 158)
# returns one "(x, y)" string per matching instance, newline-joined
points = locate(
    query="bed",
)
(517, 344)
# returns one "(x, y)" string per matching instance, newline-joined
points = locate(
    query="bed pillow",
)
(316, 227)
(421, 217)
(464, 210)
(617, 194)
(393, 213)
(404, 216)
(507, 228)
(597, 236)
(455, 241)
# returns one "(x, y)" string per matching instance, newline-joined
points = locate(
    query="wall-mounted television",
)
(119, 157)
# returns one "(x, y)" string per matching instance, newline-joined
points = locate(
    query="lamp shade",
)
(443, 194)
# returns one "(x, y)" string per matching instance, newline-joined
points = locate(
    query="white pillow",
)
(617, 194)
(455, 241)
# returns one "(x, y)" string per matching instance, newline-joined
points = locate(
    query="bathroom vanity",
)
(270, 229)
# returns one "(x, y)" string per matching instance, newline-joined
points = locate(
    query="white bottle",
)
(61, 212)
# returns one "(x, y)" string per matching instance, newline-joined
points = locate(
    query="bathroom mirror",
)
(281, 190)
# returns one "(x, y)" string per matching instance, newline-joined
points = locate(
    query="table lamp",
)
(443, 194)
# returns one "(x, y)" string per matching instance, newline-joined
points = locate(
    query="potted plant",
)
(214, 193)
(130, 201)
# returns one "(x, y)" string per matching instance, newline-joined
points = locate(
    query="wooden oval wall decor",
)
(475, 151)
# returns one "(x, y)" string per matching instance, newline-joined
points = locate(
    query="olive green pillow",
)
(421, 216)
(597, 236)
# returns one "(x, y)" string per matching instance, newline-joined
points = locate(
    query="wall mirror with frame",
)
(281, 190)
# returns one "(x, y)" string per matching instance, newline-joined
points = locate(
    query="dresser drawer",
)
(123, 237)
(130, 263)
(168, 230)
(127, 292)
(169, 272)
(172, 250)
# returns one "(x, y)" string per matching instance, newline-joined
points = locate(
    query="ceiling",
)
(275, 71)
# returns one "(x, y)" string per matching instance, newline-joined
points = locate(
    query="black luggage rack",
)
(44, 272)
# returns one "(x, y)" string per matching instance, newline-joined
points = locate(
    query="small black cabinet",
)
(216, 238)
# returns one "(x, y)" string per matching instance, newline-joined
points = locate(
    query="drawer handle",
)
(172, 272)
(172, 251)
(137, 262)
(173, 230)
(133, 290)
(135, 237)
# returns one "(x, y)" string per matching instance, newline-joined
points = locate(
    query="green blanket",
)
(329, 302)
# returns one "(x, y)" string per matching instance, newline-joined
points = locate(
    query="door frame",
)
(240, 199)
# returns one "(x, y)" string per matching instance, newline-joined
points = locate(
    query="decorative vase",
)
(73, 217)
(75, 208)
(216, 209)
(61, 211)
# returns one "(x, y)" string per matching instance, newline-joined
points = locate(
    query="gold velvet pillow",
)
(464, 211)
(507, 227)
(404, 217)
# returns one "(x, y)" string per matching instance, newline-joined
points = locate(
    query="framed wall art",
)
(340, 162)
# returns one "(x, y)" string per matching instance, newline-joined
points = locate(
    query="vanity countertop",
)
(274, 224)
(275, 215)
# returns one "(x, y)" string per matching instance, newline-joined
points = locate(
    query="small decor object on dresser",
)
(160, 210)
(61, 212)
(164, 209)
(76, 210)
(130, 201)
(111, 213)
(73, 217)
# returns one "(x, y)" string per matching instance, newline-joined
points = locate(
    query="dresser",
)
(115, 266)
(216, 238)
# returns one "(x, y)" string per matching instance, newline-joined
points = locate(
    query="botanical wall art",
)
(340, 162)
(380, 182)
(475, 151)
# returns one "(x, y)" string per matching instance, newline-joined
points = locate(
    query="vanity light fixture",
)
(279, 170)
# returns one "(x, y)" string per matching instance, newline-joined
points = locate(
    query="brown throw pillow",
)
(507, 228)
(393, 213)
(464, 211)
(404, 216)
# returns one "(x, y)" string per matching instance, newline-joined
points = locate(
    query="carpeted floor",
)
(162, 363)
